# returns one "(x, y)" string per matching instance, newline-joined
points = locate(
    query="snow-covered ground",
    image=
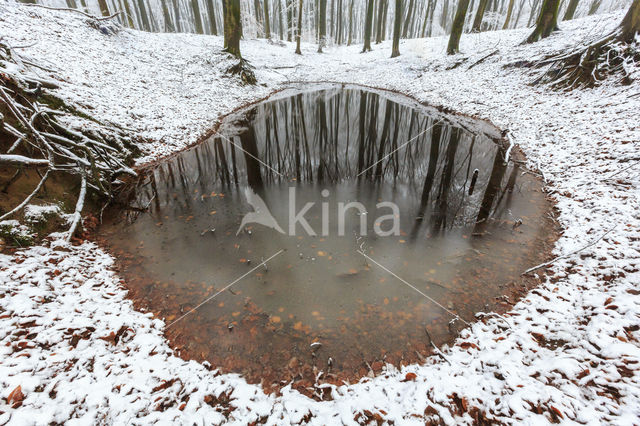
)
(569, 351)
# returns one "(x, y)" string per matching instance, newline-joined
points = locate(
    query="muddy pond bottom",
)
(331, 229)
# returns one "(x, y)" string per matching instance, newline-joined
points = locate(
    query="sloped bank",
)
(588, 309)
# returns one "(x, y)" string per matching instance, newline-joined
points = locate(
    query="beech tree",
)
(232, 35)
(299, 29)
(232, 27)
(477, 20)
(397, 19)
(509, 12)
(571, 10)
(458, 26)
(547, 21)
(367, 27)
(322, 24)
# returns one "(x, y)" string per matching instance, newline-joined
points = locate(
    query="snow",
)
(170, 89)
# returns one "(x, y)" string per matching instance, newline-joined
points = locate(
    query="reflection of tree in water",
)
(337, 134)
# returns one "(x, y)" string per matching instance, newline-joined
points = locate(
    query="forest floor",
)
(569, 350)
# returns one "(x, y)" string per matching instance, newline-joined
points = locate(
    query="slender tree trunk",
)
(405, 29)
(299, 29)
(350, 35)
(445, 15)
(571, 10)
(176, 12)
(509, 12)
(547, 21)
(515, 24)
(477, 21)
(397, 21)
(289, 4)
(340, 28)
(322, 24)
(382, 4)
(431, 15)
(267, 24)
(368, 23)
(211, 12)
(143, 15)
(256, 6)
(166, 17)
(595, 5)
(104, 8)
(457, 27)
(127, 11)
(197, 18)
(331, 19)
(280, 21)
(232, 27)
(532, 14)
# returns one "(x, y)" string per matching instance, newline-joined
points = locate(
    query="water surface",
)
(469, 224)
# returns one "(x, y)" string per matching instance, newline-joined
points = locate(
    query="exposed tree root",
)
(33, 137)
(244, 70)
(590, 65)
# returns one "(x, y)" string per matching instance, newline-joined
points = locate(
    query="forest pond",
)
(467, 225)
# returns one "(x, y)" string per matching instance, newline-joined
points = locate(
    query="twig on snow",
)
(564, 256)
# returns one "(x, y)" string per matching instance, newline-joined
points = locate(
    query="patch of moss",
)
(12, 234)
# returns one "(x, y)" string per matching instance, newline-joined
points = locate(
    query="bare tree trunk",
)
(350, 35)
(405, 29)
(595, 5)
(280, 21)
(232, 27)
(197, 18)
(289, 4)
(630, 25)
(322, 24)
(382, 5)
(299, 29)
(368, 23)
(547, 21)
(397, 20)
(477, 21)
(340, 28)
(211, 11)
(143, 15)
(509, 12)
(127, 11)
(104, 8)
(267, 25)
(166, 17)
(176, 12)
(457, 27)
(571, 10)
